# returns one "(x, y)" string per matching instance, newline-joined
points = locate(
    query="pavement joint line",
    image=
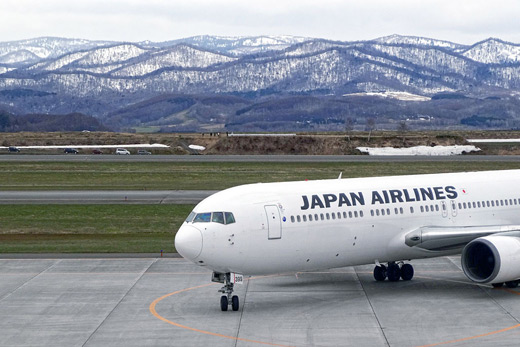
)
(153, 310)
(242, 312)
(57, 261)
(119, 302)
(372, 309)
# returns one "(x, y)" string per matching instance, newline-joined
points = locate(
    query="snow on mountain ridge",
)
(493, 51)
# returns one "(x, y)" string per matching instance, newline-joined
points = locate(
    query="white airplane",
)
(270, 228)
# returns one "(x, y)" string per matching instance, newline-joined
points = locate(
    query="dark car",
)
(70, 151)
(13, 149)
(97, 151)
(142, 151)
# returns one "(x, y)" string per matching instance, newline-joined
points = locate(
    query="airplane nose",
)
(188, 242)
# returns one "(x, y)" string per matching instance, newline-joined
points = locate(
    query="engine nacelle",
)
(492, 259)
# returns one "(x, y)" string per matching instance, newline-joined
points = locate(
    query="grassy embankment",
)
(151, 228)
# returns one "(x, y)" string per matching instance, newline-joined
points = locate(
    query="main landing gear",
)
(393, 271)
(510, 284)
(228, 299)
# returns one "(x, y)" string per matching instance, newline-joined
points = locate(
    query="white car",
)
(122, 151)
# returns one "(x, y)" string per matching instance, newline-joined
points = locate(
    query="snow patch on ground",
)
(404, 96)
(419, 150)
(493, 140)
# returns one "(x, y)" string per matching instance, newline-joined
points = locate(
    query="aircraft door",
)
(444, 208)
(453, 208)
(274, 224)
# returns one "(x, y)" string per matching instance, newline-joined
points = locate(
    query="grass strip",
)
(193, 176)
(90, 228)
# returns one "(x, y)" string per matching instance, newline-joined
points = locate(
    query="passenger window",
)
(202, 218)
(355, 214)
(360, 213)
(218, 217)
(229, 218)
(327, 215)
(401, 210)
(339, 215)
(298, 218)
(316, 217)
(344, 214)
(292, 219)
(310, 218)
(411, 209)
(304, 218)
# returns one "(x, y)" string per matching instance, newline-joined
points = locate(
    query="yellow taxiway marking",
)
(156, 301)
(154, 312)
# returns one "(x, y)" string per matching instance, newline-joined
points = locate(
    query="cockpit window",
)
(202, 218)
(190, 217)
(218, 217)
(230, 218)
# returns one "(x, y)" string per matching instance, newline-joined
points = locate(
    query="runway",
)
(105, 197)
(170, 302)
(252, 158)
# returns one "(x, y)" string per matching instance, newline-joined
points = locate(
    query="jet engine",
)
(492, 259)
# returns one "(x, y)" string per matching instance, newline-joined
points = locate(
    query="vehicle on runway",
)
(13, 149)
(143, 152)
(70, 151)
(97, 151)
(270, 228)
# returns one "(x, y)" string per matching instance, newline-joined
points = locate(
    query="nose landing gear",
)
(228, 299)
(394, 271)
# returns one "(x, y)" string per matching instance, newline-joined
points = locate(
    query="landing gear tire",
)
(380, 273)
(224, 303)
(497, 285)
(234, 303)
(512, 284)
(406, 272)
(393, 272)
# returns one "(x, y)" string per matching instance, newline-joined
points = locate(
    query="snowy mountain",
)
(493, 51)
(100, 75)
(42, 48)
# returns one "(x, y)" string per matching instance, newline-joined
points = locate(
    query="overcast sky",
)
(462, 21)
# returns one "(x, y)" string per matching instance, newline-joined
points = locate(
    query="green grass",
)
(192, 176)
(90, 228)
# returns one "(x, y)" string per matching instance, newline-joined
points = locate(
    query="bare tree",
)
(349, 126)
(370, 126)
(402, 128)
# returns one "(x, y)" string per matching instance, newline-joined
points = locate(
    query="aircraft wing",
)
(433, 238)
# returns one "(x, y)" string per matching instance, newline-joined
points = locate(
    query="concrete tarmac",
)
(171, 302)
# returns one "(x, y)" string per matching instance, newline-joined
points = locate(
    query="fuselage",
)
(300, 226)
